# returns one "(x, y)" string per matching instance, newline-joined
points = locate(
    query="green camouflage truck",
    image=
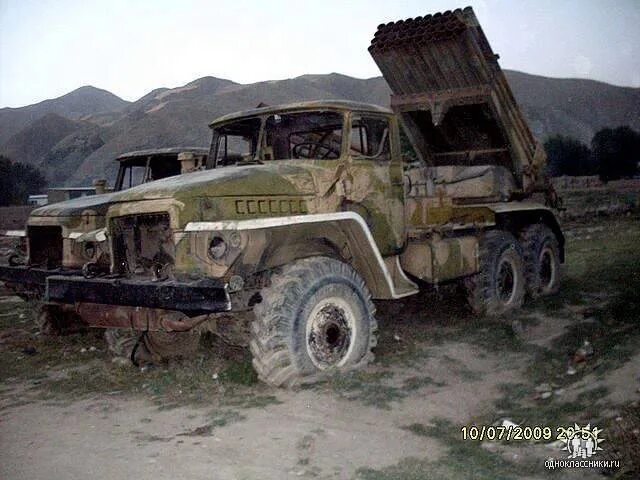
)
(309, 211)
(67, 237)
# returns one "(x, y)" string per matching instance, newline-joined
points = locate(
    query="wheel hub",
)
(329, 333)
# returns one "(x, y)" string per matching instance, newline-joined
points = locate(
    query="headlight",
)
(89, 249)
(217, 248)
(235, 240)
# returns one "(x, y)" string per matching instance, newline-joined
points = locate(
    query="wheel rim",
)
(330, 331)
(547, 270)
(506, 281)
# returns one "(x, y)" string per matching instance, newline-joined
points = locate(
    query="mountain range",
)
(74, 138)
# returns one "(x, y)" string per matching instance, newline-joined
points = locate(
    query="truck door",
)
(374, 183)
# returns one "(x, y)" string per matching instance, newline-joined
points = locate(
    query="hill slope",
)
(36, 139)
(574, 107)
(74, 105)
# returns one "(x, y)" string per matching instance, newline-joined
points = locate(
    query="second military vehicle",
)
(64, 237)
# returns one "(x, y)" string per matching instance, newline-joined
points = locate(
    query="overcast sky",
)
(50, 47)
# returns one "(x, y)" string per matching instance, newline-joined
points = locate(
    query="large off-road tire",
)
(541, 252)
(315, 318)
(499, 286)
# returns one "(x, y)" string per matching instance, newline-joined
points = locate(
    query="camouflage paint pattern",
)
(440, 259)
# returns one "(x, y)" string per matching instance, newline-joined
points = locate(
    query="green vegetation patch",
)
(464, 459)
(376, 389)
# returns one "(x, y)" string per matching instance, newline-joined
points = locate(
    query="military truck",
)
(67, 237)
(308, 213)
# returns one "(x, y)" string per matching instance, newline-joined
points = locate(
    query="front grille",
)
(45, 246)
(142, 245)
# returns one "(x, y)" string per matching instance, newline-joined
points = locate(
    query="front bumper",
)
(30, 278)
(198, 296)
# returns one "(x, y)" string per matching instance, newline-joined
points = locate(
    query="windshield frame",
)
(124, 165)
(212, 159)
(258, 156)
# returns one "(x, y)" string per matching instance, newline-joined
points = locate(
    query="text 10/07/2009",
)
(508, 433)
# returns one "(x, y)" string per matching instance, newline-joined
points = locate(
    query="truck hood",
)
(273, 178)
(94, 205)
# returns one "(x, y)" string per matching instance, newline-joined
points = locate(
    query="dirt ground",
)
(70, 411)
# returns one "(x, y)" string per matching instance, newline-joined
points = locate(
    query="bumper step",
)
(199, 296)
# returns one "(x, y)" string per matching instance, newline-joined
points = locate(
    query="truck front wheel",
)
(499, 286)
(316, 317)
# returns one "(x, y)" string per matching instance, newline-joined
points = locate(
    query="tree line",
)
(614, 153)
(18, 181)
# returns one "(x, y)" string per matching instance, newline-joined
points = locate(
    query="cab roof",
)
(337, 105)
(162, 151)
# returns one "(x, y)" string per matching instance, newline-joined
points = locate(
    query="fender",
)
(345, 234)
(514, 216)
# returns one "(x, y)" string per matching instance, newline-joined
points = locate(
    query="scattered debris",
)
(580, 357)
(543, 387)
(584, 352)
(508, 423)
(543, 391)
(30, 350)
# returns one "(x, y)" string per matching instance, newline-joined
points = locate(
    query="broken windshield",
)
(236, 142)
(304, 135)
(307, 135)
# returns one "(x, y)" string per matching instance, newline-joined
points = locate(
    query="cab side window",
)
(370, 138)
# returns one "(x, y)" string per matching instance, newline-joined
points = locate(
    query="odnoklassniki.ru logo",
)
(581, 443)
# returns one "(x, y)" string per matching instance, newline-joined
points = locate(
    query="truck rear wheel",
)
(541, 260)
(316, 317)
(499, 287)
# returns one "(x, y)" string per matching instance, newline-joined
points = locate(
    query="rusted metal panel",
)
(134, 318)
(446, 81)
